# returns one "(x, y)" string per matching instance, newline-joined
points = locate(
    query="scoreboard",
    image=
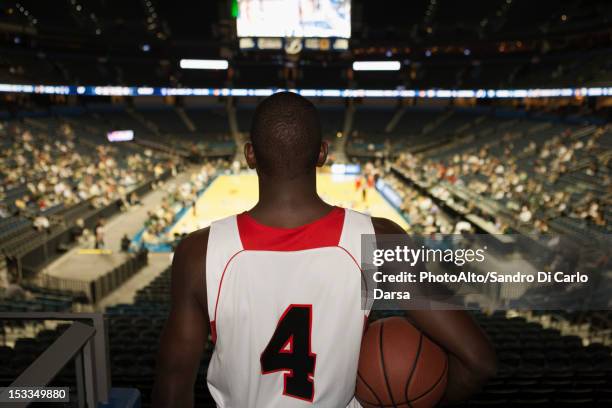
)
(293, 25)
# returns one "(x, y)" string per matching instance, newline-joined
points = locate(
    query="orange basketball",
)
(399, 367)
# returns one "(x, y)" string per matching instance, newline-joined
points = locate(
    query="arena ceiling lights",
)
(203, 64)
(376, 66)
(322, 93)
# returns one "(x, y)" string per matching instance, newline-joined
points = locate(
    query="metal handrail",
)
(44, 369)
(88, 343)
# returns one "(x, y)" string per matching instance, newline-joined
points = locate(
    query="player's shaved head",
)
(286, 136)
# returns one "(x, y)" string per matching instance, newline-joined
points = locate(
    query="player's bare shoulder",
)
(195, 242)
(384, 226)
(189, 264)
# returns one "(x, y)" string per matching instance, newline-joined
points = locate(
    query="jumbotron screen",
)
(294, 18)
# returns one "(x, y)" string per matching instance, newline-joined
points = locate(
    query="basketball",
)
(399, 366)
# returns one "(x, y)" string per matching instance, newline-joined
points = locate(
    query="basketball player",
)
(371, 180)
(364, 193)
(357, 183)
(279, 289)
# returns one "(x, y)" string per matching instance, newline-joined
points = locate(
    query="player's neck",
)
(288, 203)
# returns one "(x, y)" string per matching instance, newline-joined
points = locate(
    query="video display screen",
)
(294, 18)
(120, 135)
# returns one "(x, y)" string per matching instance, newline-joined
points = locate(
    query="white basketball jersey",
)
(286, 312)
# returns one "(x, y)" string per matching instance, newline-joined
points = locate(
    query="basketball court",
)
(231, 194)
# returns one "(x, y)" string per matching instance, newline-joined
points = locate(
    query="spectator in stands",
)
(525, 215)
(77, 229)
(14, 291)
(149, 237)
(87, 239)
(99, 234)
(41, 223)
(125, 243)
(236, 167)
(124, 203)
(133, 199)
(4, 211)
(463, 226)
(20, 204)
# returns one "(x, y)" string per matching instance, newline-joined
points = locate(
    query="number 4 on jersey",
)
(289, 350)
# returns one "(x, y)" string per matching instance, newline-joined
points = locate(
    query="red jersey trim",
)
(324, 232)
(213, 322)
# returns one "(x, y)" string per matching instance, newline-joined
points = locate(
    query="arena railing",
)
(86, 343)
(98, 288)
(64, 284)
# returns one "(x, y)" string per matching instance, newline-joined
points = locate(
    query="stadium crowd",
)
(422, 214)
(177, 198)
(526, 181)
(40, 171)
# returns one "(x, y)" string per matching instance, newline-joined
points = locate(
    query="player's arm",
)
(186, 331)
(471, 357)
